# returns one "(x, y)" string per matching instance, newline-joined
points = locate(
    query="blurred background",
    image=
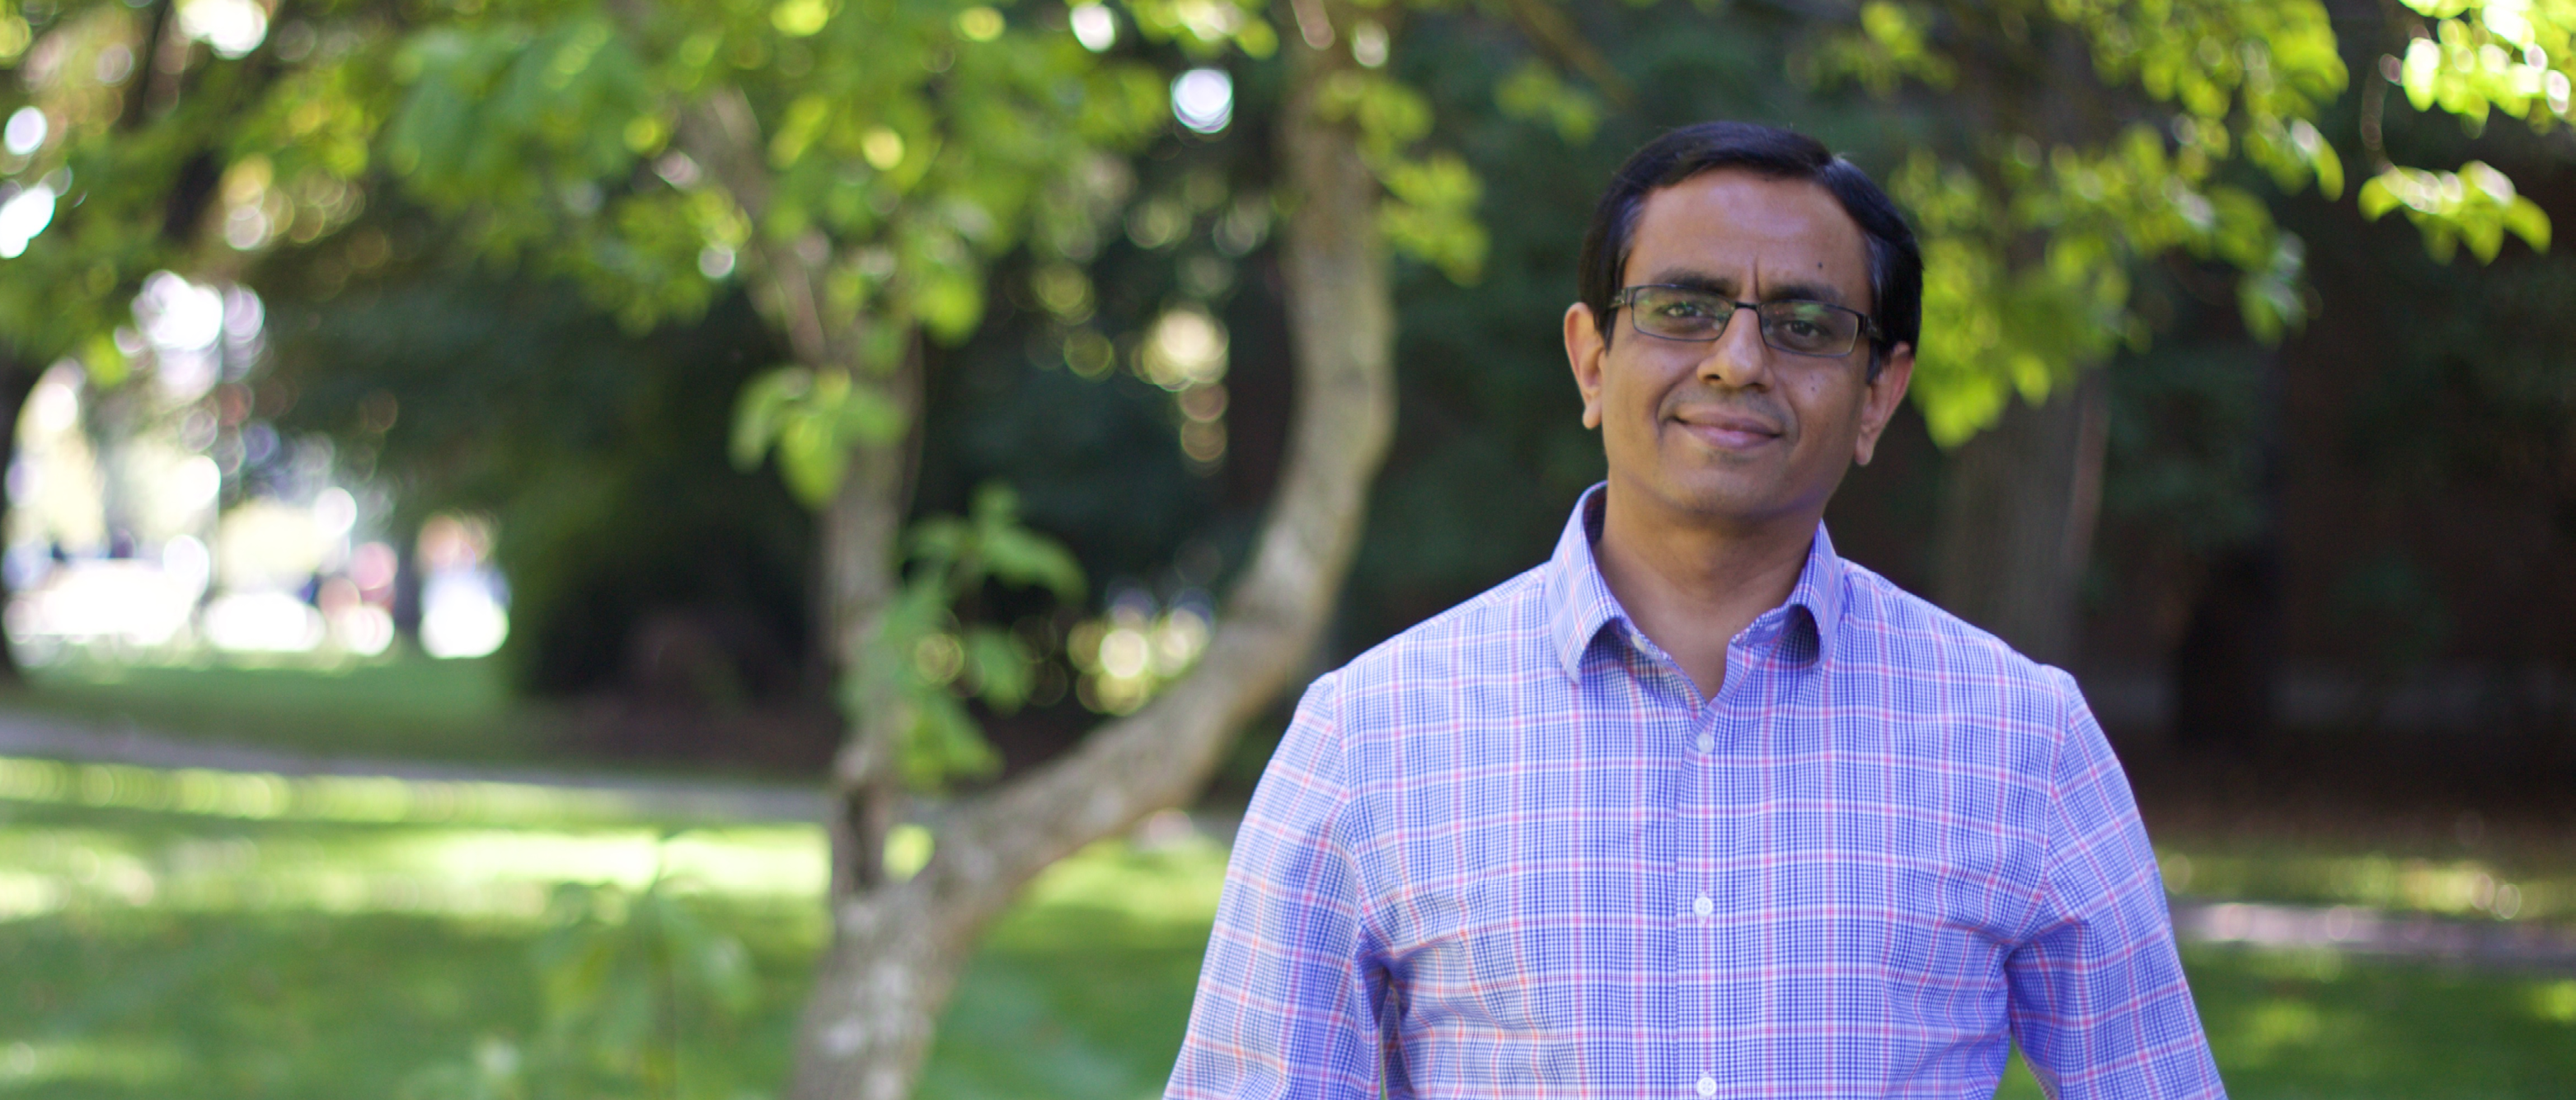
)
(419, 675)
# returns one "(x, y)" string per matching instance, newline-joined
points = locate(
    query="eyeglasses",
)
(1792, 325)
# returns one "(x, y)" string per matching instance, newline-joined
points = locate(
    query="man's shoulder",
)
(1499, 630)
(1898, 633)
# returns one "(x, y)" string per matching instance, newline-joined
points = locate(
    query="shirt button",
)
(1705, 743)
(1703, 906)
(1707, 1085)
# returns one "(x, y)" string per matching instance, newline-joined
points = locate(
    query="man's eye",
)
(1685, 309)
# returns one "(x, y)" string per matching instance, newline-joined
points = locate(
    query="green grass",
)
(156, 954)
(2315, 1023)
(411, 708)
(146, 953)
(2523, 881)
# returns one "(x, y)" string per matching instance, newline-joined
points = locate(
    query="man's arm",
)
(2099, 1005)
(1287, 1003)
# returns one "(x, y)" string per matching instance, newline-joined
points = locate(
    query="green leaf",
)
(1001, 666)
(2329, 168)
(869, 416)
(762, 410)
(1020, 556)
(811, 458)
(944, 742)
(1017, 555)
(1535, 93)
(2483, 236)
(939, 541)
(2376, 197)
(948, 304)
(2422, 65)
(104, 362)
(2528, 221)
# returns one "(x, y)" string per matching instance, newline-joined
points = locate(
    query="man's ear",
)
(1584, 351)
(1879, 401)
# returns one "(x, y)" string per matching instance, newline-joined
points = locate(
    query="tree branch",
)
(1341, 316)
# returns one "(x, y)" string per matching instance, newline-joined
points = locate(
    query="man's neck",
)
(1692, 585)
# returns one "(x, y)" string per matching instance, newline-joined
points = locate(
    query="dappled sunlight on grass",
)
(476, 874)
(343, 939)
(260, 796)
(1173, 883)
(2555, 1002)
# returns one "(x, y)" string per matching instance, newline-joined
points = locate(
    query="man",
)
(1697, 808)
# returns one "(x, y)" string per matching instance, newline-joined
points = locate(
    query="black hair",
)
(1895, 262)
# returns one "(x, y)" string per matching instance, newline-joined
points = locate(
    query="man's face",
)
(1735, 431)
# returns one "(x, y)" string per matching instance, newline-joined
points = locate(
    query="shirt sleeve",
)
(1288, 1000)
(2099, 1004)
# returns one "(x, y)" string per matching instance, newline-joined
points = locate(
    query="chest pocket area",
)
(1934, 961)
(1521, 954)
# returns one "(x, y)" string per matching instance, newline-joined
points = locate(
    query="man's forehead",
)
(1729, 224)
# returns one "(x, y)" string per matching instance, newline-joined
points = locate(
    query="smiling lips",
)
(1728, 431)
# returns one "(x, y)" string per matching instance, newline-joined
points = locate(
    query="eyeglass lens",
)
(1798, 327)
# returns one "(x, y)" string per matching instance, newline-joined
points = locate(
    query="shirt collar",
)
(1579, 602)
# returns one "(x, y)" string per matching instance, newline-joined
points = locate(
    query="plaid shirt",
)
(1511, 853)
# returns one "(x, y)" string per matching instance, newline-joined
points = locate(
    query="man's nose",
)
(1738, 359)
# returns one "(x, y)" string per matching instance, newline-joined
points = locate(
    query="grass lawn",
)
(412, 708)
(150, 954)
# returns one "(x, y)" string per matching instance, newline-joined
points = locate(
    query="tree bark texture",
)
(2017, 516)
(897, 946)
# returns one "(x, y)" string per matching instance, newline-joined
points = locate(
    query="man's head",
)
(1737, 416)
(1895, 264)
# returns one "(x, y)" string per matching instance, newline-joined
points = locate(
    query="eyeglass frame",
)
(1626, 297)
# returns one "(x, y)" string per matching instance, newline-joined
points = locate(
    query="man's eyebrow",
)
(1811, 292)
(1705, 283)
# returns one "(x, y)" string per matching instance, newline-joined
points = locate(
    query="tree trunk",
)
(2016, 521)
(17, 381)
(861, 565)
(863, 523)
(897, 946)
(2224, 667)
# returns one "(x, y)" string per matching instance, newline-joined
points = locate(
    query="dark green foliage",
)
(600, 453)
(1490, 452)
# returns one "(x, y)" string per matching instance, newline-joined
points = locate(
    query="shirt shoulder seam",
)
(1343, 792)
(2044, 903)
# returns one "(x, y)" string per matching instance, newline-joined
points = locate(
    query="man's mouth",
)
(1730, 432)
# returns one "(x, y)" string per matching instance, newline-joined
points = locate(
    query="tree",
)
(2095, 137)
(854, 169)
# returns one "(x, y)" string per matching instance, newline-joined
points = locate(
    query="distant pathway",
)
(54, 738)
(2523, 945)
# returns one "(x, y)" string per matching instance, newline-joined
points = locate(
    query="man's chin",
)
(1719, 498)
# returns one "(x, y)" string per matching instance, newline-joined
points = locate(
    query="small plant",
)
(624, 978)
